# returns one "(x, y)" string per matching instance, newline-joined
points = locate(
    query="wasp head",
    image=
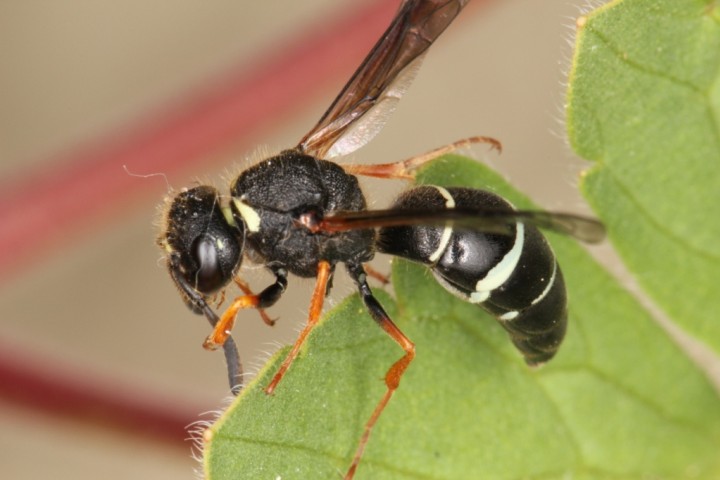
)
(202, 243)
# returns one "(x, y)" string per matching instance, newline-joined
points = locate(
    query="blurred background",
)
(101, 365)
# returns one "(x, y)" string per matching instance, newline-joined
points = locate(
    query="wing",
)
(366, 102)
(491, 221)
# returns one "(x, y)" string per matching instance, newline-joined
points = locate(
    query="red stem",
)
(40, 384)
(42, 206)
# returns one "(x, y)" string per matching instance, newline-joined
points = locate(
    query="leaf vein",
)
(663, 230)
(623, 57)
(647, 402)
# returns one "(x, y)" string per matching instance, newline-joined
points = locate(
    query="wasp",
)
(300, 213)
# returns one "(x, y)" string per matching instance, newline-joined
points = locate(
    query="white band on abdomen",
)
(447, 231)
(505, 267)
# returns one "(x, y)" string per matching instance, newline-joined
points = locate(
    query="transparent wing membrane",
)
(366, 102)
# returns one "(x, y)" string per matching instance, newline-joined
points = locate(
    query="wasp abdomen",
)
(511, 274)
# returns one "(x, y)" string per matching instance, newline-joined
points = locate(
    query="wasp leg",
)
(242, 285)
(396, 371)
(405, 169)
(380, 277)
(265, 299)
(316, 304)
(197, 303)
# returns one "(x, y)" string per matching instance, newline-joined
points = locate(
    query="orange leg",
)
(224, 327)
(219, 301)
(316, 304)
(392, 381)
(380, 277)
(396, 371)
(246, 290)
(264, 299)
(405, 168)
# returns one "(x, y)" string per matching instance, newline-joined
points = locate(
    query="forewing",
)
(366, 102)
(487, 220)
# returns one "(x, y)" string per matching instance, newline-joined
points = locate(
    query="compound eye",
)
(209, 275)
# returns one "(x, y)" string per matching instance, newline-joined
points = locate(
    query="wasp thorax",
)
(280, 201)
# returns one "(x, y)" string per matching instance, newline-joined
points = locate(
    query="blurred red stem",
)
(40, 384)
(42, 208)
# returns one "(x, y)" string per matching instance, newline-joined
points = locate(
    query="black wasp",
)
(299, 213)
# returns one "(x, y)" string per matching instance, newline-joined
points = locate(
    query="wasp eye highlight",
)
(206, 248)
(209, 276)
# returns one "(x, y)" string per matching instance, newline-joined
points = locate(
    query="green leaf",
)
(644, 105)
(620, 400)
